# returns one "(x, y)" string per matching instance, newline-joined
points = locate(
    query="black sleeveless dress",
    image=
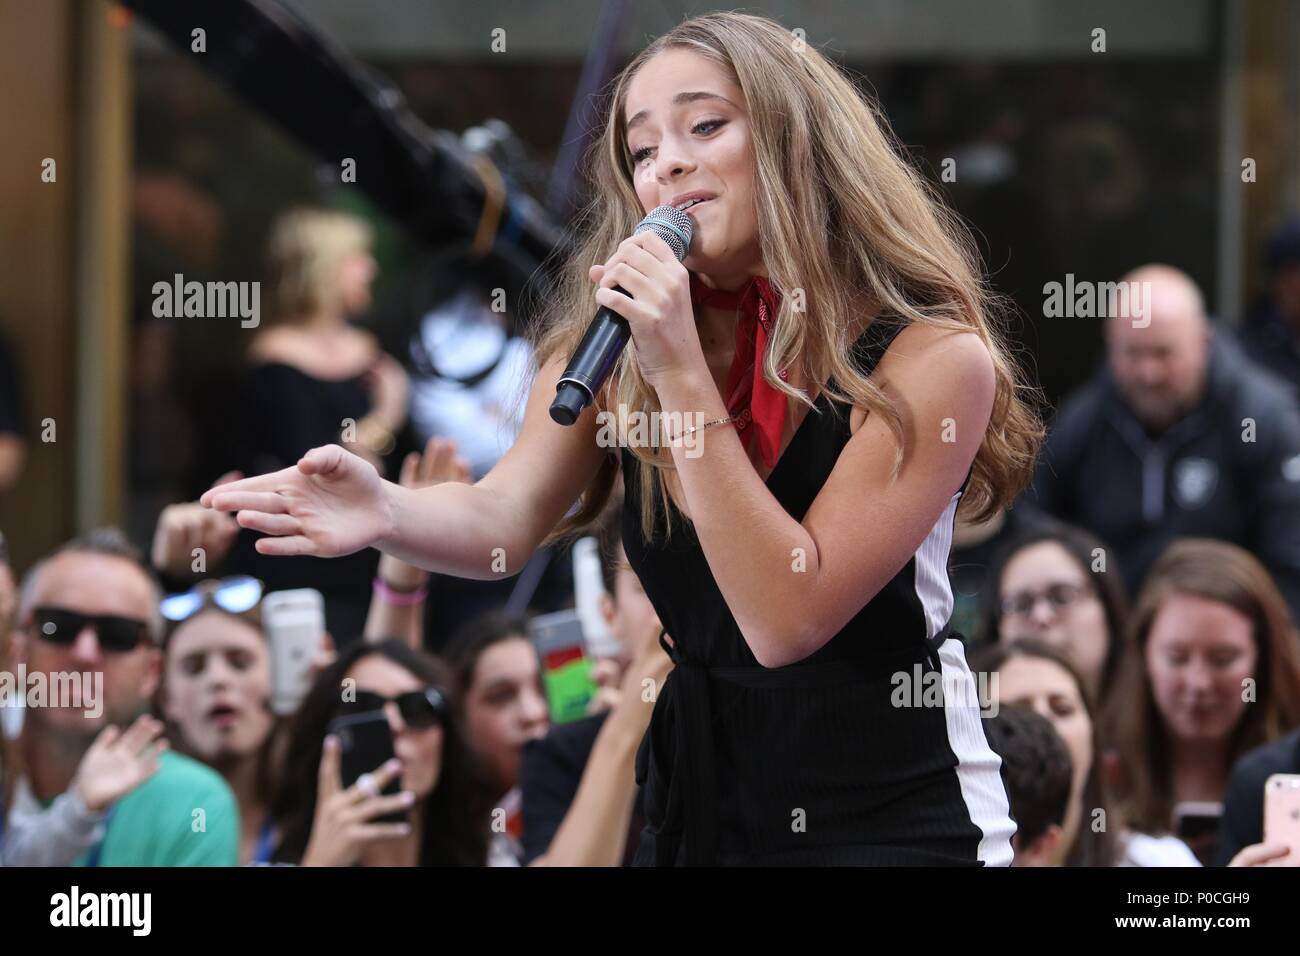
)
(870, 751)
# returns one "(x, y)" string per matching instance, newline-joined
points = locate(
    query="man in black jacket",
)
(1178, 435)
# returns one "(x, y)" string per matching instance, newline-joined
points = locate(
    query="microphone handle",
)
(592, 362)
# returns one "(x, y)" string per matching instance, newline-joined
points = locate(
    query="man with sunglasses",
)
(91, 607)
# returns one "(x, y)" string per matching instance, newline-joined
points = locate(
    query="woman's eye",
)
(1062, 707)
(704, 127)
(241, 661)
(193, 666)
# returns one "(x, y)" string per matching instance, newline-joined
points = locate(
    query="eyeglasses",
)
(61, 626)
(420, 709)
(235, 594)
(1059, 597)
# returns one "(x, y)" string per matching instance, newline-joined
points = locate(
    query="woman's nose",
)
(535, 709)
(1043, 613)
(216, 672)
(395, 722)
(1199, 677)
(671, 162)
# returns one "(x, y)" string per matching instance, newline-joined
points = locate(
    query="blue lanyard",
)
(97, 850)
(265, 845)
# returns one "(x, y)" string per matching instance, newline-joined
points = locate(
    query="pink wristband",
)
(401, 598)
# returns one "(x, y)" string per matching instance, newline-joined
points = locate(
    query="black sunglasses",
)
(420, 709)
(117, 634)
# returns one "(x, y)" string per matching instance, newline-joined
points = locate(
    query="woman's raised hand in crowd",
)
(341, 829)
(186, 527)
(331, 503)
(642, 680)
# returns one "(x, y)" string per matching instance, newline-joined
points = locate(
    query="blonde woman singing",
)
(831, 333)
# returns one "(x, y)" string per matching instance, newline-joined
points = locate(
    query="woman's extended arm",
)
(333, 503)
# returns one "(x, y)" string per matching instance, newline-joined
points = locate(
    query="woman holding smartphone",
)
(830, 335)
(324, 820)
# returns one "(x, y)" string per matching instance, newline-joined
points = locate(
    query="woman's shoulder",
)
(906, 354)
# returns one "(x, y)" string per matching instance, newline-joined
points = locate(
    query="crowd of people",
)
(1138, 608)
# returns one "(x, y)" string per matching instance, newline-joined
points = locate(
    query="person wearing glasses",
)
(322, 822)
(1058, 584)
(92, 607)
(215, 696)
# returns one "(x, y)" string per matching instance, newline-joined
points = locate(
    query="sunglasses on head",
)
(420, 709)
(235, 595)
(61, 626)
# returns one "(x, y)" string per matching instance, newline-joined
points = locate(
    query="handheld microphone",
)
(609, 332)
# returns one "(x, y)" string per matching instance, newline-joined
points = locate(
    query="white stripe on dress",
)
(978, 767)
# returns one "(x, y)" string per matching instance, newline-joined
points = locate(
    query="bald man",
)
(90, 611)
(1178, 434)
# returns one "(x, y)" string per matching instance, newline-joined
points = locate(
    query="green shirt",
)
(184, 815)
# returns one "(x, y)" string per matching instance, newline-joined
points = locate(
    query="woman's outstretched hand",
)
(330, 504)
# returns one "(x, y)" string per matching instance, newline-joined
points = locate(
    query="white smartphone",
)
(294, 622)
(1282, 811)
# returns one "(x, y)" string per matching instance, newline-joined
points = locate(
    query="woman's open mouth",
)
(223, 715)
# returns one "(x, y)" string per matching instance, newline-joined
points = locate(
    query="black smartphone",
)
(1197, 825)
(365, 745)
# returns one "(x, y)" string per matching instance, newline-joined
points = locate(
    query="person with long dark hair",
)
(1211, 670)
(832, 384)
(503, 707)
(322, 824)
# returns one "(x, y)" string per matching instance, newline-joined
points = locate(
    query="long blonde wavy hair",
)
(842, 216)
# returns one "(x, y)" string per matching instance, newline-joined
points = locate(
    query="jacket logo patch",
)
(1291, 469)
(1194, 482)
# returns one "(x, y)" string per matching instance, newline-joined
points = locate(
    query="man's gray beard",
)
(63, 745)
(71, 741)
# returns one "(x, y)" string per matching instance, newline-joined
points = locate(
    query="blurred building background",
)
(1068, 161)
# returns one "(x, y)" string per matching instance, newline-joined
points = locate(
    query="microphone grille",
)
(672, 226)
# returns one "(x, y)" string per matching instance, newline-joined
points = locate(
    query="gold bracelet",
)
(699, 428)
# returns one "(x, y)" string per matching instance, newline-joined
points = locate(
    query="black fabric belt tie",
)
(691, 811)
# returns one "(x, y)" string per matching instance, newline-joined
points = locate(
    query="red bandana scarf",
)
(748, 394)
